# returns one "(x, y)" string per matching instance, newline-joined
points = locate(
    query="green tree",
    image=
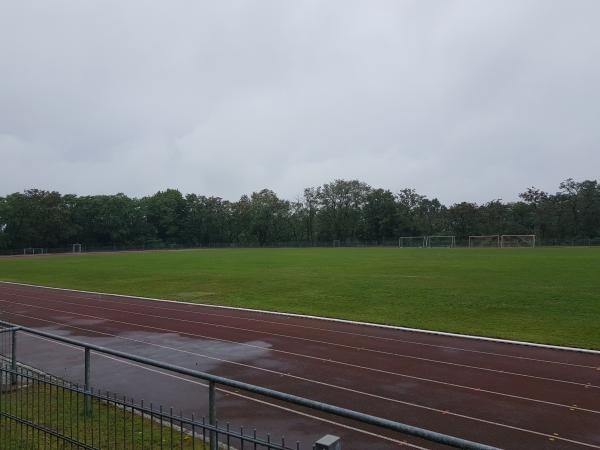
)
(115, 220)
(269, 217)
(340, 209)
(208, 220)
(464, 219)
(37, 218)
(409, 224)
(166, 213)
(380, 215)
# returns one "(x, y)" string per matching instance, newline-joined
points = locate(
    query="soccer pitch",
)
(546, 295)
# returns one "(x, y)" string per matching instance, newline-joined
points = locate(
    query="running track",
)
(506, 395)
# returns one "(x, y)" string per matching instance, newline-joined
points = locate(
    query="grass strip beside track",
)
(62, 411)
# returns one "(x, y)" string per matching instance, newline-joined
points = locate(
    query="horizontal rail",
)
(9, 329)
(294, 399)
(46, 430)
(125, 405)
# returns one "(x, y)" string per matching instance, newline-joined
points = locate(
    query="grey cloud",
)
(464, 100)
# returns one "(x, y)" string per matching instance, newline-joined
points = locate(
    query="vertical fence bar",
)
(212, 414)
(86, 381)
(13, 356)
(48, 401)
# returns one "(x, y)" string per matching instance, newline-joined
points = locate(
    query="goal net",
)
(76, 248)
(441, 241)
(517, 240)
(34, 251)
(412, 241)
(492, 240)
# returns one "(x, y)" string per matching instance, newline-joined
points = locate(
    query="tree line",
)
(347, 211)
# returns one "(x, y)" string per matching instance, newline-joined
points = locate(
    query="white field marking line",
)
(246, 397)
(121, 302)
(445, 412)
(327, 360)
(360, 335)
(329, 319)
(309, 380)
(399, 355)
(237, 394)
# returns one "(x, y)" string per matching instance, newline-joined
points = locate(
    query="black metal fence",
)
(464, 242)
(44, 412)
(153, 246)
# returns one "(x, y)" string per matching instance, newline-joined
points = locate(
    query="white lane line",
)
(309, 380)
(325, 330)
(399, 355)
(330, 319)
(444, 412)
(326, 360)
(121, 303)
(245, 397)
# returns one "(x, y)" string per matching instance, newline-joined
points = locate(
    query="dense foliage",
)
(345, 211)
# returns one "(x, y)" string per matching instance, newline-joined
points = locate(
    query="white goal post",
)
(491, 240)
(412, 241)
(76, 248)
(517, 240)
(34, 251)
(441, 241)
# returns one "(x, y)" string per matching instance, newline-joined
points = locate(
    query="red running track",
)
(506, 395)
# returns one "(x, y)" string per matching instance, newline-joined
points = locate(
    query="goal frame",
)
(34, 251)
(505, 236)
(452, 243)
(484, 236)
(423, 240)
(77, 248)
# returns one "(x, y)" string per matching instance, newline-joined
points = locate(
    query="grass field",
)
(107, 426)
(548, 295)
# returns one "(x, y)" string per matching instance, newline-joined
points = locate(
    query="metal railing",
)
(91, 248)
(40, 411)
(460, 242)
(216, 436)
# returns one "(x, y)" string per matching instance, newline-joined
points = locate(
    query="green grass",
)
(62, 411)
(548, 295)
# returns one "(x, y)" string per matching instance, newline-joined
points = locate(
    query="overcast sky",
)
(461, 100)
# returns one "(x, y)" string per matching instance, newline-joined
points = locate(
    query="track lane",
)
(452, 421)
(331, 375)
(522, 352)
(442, 356)
(387, 365)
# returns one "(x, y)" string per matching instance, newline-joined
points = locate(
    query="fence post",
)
(86, 381)
(212, 414)
(13, 356)
(329, 442)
